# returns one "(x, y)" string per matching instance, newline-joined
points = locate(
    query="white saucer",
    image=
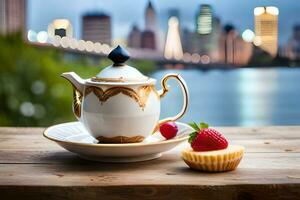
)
(73, 137)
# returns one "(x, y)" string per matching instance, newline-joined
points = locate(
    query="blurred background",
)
(240, 59)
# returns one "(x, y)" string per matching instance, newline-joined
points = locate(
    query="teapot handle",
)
(165, 89)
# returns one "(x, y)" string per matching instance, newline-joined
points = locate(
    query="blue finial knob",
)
(119, 56)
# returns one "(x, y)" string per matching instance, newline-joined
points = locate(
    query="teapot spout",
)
(75, 80)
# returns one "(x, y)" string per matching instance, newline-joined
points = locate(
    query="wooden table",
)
(31, 167)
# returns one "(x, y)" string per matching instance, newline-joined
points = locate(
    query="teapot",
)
(120, 104)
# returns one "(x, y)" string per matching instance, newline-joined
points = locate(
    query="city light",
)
(257, 41)
(106, 48)
(81, 45)
(204, 20)
(248, 35)
(272, 10)
(61, 23)
(259, 10)
(73, 43)
(61, 27)
(89, 46)
(205, 59)
(65, 42)
(195, 58)
(97, 47)
(269, 9)
(187, 57)
(56, 41)
(42, 37)
(31, 36)
(173, 48)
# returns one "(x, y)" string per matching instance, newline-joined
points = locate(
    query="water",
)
(241, 97)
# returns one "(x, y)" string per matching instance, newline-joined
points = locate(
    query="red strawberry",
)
(206, 139)
(168, 130)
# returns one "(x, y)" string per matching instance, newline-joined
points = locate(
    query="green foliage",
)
(31, 90)
(144, 66)
(260, 58)
(32, 93)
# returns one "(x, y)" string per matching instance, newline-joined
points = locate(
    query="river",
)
(239, 97)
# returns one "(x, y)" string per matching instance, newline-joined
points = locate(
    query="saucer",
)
(73, 137)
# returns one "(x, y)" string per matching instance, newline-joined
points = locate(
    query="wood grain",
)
(31, 167)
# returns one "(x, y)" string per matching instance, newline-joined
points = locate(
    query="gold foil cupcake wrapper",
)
(213, 163)
(216, 167)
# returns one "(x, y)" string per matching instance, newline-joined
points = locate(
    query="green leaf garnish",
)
(192, 136)
(194, 126)
(203, 125)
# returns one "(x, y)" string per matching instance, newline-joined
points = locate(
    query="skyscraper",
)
(96, 27)
(148, 40)
(173, 47)
(12, 16)
(134, 37)
(206, 39)
(151, 28)
(150, 18)
(292, 49)
(234, 50)
(60, 27)
(204, 19)
(266, 28)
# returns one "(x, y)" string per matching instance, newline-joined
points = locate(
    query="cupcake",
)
(210, 151)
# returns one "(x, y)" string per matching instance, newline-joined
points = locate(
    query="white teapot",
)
(120, 104)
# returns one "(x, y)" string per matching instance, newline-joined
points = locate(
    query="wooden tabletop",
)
(32, 167)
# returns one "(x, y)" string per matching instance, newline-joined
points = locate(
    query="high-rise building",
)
(150, 18)
(234, 50)
(151, 26)
(96, 27)
(204, 19)
(12, 16)
(173, 47)
(134, 37)
(206, 38)
(148, 40)
(60, 27)
(266, 28)
(292, 49)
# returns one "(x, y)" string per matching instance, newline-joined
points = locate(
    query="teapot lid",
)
(119, 71)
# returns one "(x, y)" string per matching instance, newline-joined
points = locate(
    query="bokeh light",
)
(31, 36)
(42, 37)
(205, 59)
(89, 46)
(97, 47)
(65, 42)
(248, 35)
(257, 41)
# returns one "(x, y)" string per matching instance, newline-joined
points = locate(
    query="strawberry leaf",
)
(192, 137)
(194, 126)
(203, 125)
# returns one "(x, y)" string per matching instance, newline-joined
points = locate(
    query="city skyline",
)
(121, 25)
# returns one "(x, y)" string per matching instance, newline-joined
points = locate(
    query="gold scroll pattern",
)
(140, 96)
(77, 100)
